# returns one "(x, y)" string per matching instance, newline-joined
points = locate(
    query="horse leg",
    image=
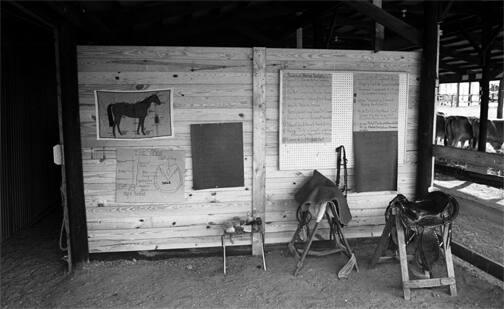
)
(140, 126)
(142, 120)
(118, 122)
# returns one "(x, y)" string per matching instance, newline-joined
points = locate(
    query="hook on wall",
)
(103, 156)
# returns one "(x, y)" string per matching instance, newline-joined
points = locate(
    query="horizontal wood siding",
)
(214, 85)
(210, 85)
(367, 208)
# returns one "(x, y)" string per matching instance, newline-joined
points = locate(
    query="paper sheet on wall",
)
(376, 102)
(306, 108)
(149, 175)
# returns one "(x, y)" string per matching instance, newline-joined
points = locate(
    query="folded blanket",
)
(319, 189)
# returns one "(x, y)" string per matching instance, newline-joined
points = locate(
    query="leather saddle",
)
(435, 208)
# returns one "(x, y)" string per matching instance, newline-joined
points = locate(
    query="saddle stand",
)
(395, 229)
(336, 234)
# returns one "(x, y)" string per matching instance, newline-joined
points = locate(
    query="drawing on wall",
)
(149, 175)
(134, 114)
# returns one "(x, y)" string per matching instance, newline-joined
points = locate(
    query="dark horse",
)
(116, 111)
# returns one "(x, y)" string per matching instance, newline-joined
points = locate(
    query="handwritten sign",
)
(306, 107)
(376, 102)
(149, 175)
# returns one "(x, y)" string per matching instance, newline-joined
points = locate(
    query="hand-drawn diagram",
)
(148, 175)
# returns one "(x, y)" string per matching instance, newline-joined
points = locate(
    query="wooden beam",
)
(485, 89)
(427, 98)
(467, 175)
(482, 262)
(448, 52)
(476, 45)
(379, 35)
(492, 37)
(259, 142)
(500, 98)
(476, 159)
(331, 31)
(446, 10)
(72, 145)
(393, 23)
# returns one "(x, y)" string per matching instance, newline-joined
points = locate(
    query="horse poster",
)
(133, 115)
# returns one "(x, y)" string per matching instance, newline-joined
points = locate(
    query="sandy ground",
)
(33, 277)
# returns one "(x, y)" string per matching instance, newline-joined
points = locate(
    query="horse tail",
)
(110, 116)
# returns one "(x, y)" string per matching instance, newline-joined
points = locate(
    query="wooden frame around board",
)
(402, 121)
(141, 99)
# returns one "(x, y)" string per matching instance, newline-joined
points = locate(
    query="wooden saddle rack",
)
(319, 197)
(407, 222)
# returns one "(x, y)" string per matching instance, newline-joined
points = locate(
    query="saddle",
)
(435, 209)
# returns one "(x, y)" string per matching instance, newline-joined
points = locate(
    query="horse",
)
(495, 133)
(116, 111)
(459, 129)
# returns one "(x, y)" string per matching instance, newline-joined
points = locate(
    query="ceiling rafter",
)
(391, 22)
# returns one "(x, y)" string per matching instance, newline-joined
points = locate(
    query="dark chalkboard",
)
(375, 161)
(217, 155)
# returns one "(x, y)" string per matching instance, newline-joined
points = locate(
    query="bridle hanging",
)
(341, 159)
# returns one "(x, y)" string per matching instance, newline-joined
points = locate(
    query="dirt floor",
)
(33, 277)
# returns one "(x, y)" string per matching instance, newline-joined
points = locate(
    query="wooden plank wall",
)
(213, 85)
(367, 208)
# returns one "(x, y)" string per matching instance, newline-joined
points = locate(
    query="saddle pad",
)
(320, 189)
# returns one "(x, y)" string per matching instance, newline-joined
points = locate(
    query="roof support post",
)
(427, 98)
(72, 146)
(379, 35)
(484, 88)
(500, 98)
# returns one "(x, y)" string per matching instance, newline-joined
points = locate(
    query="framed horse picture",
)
(134, 115)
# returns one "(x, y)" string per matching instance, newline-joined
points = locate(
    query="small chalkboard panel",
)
(217, 155)
(375, 161)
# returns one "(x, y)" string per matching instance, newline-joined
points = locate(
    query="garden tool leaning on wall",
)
(321, 197)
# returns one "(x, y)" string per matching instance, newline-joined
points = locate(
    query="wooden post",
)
(259, 143)
(469, 95)
(299, 34)
(72, 146)
(484, 88)
(379, 31)
(457, 98)
(500, 98)
(403, 256)
(427, 98)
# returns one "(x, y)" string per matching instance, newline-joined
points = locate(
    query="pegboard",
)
(295, 156)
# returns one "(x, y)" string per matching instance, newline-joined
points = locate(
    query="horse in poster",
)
(115, 111)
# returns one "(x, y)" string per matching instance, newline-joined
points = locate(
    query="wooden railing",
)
(477, 164)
